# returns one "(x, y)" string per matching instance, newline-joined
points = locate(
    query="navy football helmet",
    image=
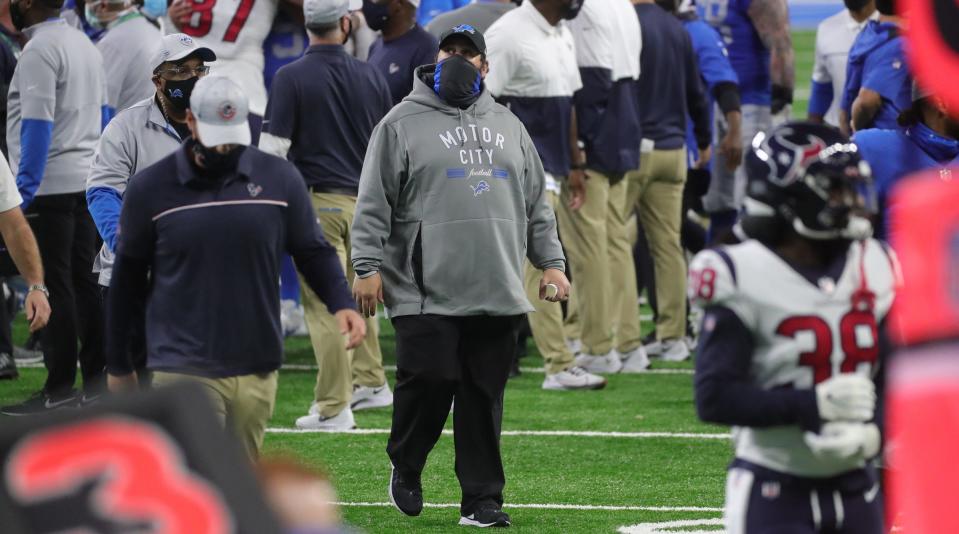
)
(811, 177)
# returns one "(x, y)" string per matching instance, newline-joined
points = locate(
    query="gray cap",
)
(221, 110)
(177, 46)
(324, 11)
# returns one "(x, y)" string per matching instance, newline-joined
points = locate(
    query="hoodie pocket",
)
(474, 267)
(416, 259)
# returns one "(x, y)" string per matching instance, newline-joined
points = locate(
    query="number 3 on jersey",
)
(819, 358)
(201, 19)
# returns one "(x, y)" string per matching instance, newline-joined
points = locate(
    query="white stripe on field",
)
(392, 368)
(539, 433)
(669, 527)
(587, 507)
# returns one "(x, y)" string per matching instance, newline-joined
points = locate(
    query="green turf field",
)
(663, 466)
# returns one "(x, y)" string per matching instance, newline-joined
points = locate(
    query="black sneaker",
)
(406, 494)
(8, 367)
(41, 402)
(88, 399)
(487, 516)
(25, 355)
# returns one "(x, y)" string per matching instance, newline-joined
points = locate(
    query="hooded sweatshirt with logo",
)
(450, 202)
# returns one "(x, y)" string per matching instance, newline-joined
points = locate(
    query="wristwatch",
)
(39, 287)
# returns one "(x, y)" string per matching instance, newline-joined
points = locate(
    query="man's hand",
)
(704, 156)
(845, 441)
(846, 397)
(558, 279)
(577, 188)
(731, 147)
(351, 323)
(180, 12)
(368, 292)
(122, 383)
(38, 310)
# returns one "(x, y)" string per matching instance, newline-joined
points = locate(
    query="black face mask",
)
(16, 16)
(855, 5)
(376, 15)
(178, 93)
(573, 9)
(214, 162)
(457, 81)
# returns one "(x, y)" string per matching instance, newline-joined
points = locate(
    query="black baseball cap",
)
(471, 33)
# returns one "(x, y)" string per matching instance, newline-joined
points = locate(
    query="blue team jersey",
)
(747, 53)
(714, 67)
(285, 44)
(896, 154)
(878, 63)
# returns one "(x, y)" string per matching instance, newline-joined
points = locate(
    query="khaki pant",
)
(547, 321)
(243, 402)
(339, 368)
(657, 191)
(624, 298)
(585, 237)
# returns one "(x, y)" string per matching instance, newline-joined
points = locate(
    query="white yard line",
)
(669, 527)
(392, 368)
(540, 433)
(549, 506)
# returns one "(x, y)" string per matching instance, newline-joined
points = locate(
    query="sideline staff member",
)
(201, 236)
(136, 138)
(322, 110)
(55, 108)
(452, 191)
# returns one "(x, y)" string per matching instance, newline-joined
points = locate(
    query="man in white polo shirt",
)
(834, 38)
(22, 246)
(533, 72)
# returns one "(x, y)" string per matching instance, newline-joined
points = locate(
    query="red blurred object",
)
(923, 389)
(923, 437)
(925, 231)
(932, 34)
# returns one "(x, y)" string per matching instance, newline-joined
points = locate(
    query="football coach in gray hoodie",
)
(451, 200)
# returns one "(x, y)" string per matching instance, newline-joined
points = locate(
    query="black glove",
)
(781, 96)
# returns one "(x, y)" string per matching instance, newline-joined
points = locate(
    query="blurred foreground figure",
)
(150, 462)
(924, 377)
(303, 498)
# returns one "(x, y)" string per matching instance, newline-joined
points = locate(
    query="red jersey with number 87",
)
(803, 332)
(235, 30)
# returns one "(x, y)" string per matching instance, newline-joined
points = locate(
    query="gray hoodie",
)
(450, 202)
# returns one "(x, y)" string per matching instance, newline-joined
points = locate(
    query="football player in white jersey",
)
(235, 30)
(791, 339)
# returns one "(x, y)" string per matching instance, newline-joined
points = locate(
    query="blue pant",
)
(762, 501)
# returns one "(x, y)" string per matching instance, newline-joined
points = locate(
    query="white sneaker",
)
(654, 349)
(635, 361)
(675, 350)
(365, 397)
(575, 346)
(339, 422)
(691, 342)
(608, 363)
(573, 378)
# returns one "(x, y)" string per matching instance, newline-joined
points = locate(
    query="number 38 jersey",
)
(802, 333)
(235, 30)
